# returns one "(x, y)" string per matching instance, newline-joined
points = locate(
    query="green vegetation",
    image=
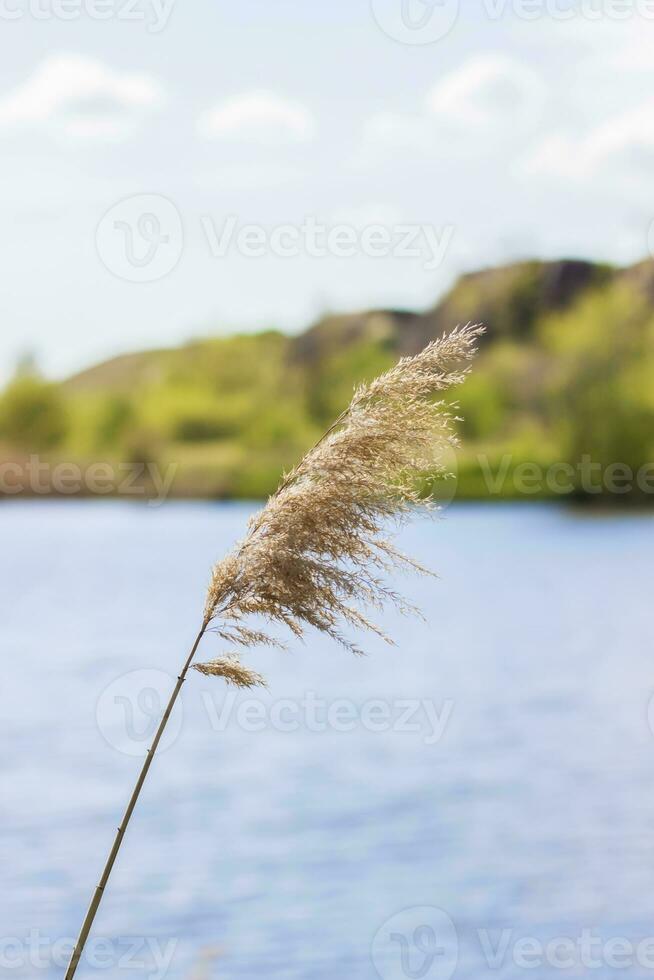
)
(33, 413)
(563, 387)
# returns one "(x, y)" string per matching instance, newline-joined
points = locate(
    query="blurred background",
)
(216, 220)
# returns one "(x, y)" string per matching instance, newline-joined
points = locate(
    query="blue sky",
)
(523, 128)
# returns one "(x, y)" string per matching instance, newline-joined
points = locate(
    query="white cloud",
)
(486, 97)
(394, 130)
(621, 146)
(256, 175)
(487, 91)
(79, 97)
(602, 42)
(259, 117)
(601, 139)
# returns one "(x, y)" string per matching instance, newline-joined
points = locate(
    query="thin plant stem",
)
(113, 854)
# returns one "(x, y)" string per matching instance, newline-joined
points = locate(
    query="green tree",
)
(33, 414)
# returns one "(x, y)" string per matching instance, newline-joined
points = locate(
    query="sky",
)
(172, 169)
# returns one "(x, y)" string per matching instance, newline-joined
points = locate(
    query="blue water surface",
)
(494, 770)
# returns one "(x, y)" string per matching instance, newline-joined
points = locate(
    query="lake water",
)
(451, 807)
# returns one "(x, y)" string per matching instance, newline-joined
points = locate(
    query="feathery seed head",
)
(317, 554)
(233, 671)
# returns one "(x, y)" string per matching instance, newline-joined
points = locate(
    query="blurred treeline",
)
(566, 371)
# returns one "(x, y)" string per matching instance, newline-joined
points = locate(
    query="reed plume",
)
(318, 554)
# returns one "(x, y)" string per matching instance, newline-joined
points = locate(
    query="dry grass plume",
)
(318, 553)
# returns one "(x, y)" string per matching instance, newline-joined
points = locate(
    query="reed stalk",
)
(317, 552)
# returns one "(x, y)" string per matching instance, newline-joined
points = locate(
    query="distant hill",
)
(509, 300)
(566, 371)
